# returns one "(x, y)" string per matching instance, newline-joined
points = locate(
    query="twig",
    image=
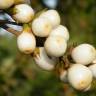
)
(11, 30)
(2, 22)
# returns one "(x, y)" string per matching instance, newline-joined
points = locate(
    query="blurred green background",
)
(20, 76)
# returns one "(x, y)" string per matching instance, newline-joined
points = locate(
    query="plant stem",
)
(2, 22)
(15, 32)
(11, 30)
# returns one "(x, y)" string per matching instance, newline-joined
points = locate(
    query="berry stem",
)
(26, 28)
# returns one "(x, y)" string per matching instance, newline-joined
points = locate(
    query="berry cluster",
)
(80, 70)
(83, 69)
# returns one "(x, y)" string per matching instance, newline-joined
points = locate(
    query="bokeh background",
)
(20, 76)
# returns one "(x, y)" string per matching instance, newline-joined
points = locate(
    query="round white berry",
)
(6, 3)
(79, 76)
(43, 61)
(93, 69)
(55, 46)
(84, 54)
(60, 31)
(26, 42)
(23, 13)
(41, 27)
(52, 16)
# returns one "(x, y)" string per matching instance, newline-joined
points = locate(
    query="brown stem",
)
(15, 32)
(11, 30)
(2, 22)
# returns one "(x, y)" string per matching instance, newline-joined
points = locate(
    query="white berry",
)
(23, 13)
(60, 31)
(84, 54)
(41, 27)
(52, 16)
(79, 76)
(26, 42)
(55, 46)
(44, 61)
(6, 3)
(93, 69)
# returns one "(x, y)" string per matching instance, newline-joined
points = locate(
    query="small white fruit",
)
(84, 54)
(23, 13)
(26, 42)
(63, 76)
(4, 4)
(60, 31)
(55, 46)
(43, 61)
(79, 76)
(41, 27)
(52, 16)
(93, 69)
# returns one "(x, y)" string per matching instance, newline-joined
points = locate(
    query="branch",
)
(15, 32)
(11, 30)
(2, 22)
